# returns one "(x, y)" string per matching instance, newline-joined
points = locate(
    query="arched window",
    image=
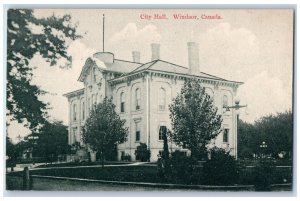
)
(137, 99)
(74, 112)
(93, 101)
(226, 135)
(94, 74)
(225, 101)
(162, 99)
(83, 110)
(210, 93)
(122, 99)
(89, 104)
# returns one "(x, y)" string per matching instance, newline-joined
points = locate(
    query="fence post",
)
(26, 179)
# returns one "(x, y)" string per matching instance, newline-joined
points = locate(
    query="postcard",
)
(150, 100)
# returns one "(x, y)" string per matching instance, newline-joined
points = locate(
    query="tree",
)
(104, 129)
(166, 153)
(277, 132)
(248, 140)
(11, 153)
(10, 149)
(52, 141)
(164, 162)
(194, 118)
(28, 36)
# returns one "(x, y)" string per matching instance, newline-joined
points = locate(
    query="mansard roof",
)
(175, 72)
(164, 66)
(127, 69)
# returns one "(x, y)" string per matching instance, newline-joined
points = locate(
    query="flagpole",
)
(103, 33)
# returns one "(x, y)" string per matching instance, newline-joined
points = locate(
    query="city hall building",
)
(142, 93)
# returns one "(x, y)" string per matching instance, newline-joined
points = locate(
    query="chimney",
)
(155, 51)
(193, 55)
(136, 56)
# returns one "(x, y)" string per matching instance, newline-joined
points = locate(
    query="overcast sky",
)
(251, 46)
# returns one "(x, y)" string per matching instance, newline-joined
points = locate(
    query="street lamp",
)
(263, 147)
(237, 106)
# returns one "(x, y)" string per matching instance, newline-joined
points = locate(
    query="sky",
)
(251, 46)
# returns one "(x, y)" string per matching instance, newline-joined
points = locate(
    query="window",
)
(162, 132)
(93, 100)
(225, 101)
(83, 110)
(74, 112)
(210, 93)
(96, 101)
(137, 131)
(89, 106)
(184, 153)
(137, 99)
(94, 74)
(162, 99)
(226, 135)
(74, 134)
(122, 106)
(122, 155)
(91, 103)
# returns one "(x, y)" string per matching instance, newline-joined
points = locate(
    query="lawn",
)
(120, 173)
(146, 173)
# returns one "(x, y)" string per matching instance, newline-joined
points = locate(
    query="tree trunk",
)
(102, 157)
(193, 153)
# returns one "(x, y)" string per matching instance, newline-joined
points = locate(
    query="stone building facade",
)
(142, 93)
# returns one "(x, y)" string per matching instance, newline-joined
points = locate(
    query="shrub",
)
(127, 157)
(220, 169)
(142, 153)
(182, 168)
(264, 174)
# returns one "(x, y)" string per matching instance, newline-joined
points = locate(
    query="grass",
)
(146, 173)
(120, 173)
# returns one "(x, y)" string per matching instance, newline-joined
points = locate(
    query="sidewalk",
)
(20, 167)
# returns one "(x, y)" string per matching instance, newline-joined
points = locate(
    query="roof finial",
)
(103, 32)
